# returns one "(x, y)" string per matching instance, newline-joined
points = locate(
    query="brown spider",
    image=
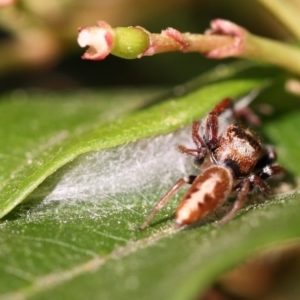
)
(233, 160)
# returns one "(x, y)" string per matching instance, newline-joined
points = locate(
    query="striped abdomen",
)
(209, 190)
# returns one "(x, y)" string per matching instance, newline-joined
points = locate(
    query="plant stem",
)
(237, 42)
(190, 43)
(286, 12)
(276, 53)
(224, 39)
(255, 47)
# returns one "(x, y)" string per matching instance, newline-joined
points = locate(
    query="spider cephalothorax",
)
(239, 149)
(233, 160)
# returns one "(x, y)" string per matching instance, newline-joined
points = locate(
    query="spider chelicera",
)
(234, 163)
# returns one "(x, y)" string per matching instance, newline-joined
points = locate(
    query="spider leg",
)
(239, 202)
(212, 123)
(248, 115)
(242, 111)
(269, 171)
(222, 106)
(163, 201)
(197, 139)
(239, 111)
(197, 153)
(200, 151)
(247, 184)
(267, 157)
(266, 170)
(257, 182)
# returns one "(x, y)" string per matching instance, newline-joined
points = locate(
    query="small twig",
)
(224, 39)
(170, 40)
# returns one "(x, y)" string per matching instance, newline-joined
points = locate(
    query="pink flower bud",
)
(100, 40)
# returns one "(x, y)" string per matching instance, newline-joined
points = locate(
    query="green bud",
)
(129, 42)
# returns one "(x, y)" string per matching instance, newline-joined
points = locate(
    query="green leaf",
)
(75, 235)
(34, 128)
(179, 266)
(53, 139)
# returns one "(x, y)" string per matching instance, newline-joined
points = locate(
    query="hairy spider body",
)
(233, 160)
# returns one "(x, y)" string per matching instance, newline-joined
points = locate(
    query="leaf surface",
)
(75, 235)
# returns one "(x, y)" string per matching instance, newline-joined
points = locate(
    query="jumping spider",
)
(234, 163)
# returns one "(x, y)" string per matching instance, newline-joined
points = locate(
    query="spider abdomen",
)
(209, 190)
